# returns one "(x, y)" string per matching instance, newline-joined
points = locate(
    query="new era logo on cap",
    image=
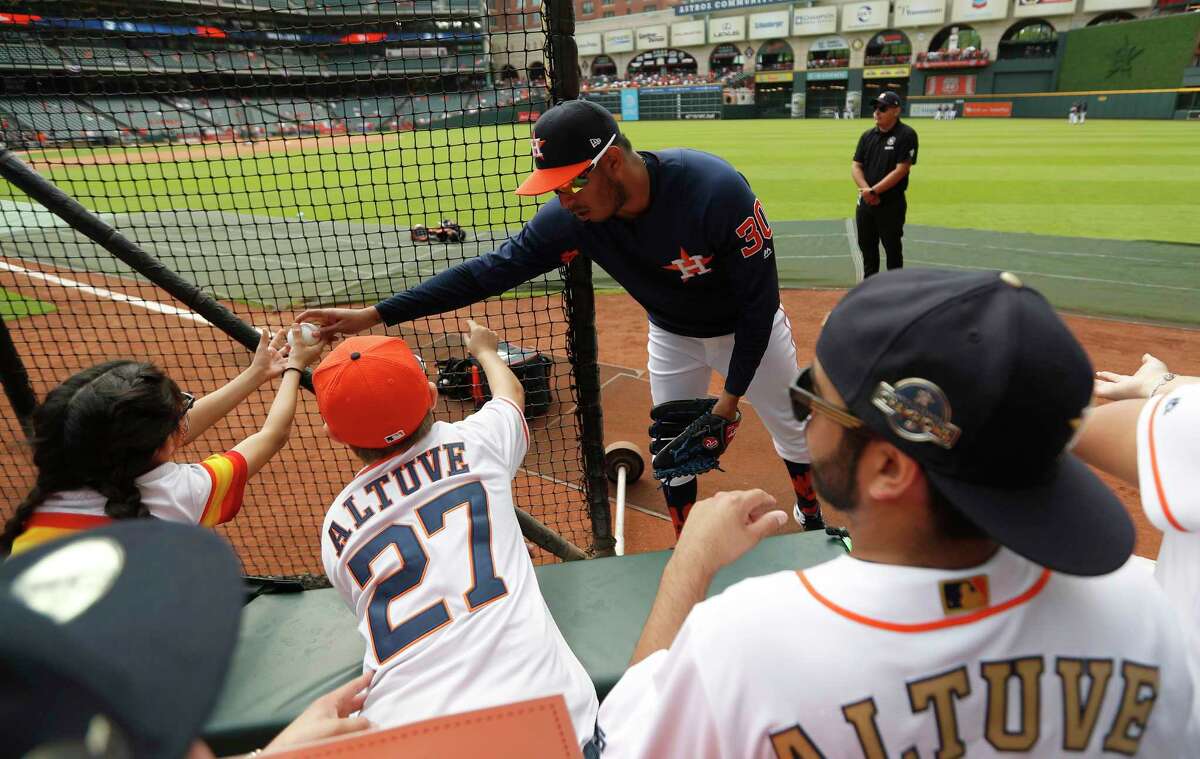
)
(595, 142)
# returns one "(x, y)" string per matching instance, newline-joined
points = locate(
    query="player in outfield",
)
(424, 544)
(103, 442)
(987, 606)
(684, 234)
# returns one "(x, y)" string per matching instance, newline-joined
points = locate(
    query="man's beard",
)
(835, 477)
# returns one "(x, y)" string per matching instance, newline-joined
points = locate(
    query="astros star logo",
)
(537, 144)
(689, 266)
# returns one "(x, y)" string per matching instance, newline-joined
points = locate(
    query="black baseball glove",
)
(687, 438)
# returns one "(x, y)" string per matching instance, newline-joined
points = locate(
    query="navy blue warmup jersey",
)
(700, 259)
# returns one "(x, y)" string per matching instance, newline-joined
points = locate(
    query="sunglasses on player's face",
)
(881, 107)
(805, 401)
(580, 181)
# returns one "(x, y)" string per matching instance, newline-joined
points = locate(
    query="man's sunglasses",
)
(882, 107)
(580, 181)
(805, 401)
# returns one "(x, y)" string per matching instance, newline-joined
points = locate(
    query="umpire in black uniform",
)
(882, 160)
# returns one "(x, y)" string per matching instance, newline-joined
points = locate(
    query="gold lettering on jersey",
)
(862, 716)
(1141, 689)
(941, 691)
(998, 673)
(794, 743)
(1079, 715)
(964, 595)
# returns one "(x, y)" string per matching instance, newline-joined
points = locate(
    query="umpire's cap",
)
(974, 376)
(115, 641)
(567, 139)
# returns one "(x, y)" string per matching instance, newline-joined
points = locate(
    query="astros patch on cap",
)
(567, 139)
(372, 391)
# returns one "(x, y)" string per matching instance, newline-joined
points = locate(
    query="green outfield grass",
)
(1108, 179)
(15, 306)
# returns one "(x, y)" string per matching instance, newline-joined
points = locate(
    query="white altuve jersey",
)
(1168, 448)
(426, 550)
(854, 659)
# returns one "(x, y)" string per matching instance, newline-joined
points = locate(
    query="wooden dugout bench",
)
(293, 648)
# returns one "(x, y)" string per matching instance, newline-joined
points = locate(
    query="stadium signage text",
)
(810, 21)
(887, 72)
(1027, 8)
(711, 6)
(730, 29)
(919, 12)
(687, 33)
(827, 76)
(767, 25)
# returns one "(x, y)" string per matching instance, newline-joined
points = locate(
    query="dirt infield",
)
(622, 325)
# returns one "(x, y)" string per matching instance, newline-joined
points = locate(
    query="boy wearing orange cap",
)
(424, 544)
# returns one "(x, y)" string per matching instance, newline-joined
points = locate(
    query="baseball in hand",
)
(308, 334)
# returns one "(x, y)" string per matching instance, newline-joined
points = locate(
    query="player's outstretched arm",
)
(718, 532)
(258, 449)
(482, 344)
(340, 321)
(270, 359)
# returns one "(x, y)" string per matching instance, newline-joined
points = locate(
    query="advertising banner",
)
(765, 26)
(618, 41)
(731, 29)
(925, 110)
(869, 15)
(979, 10)
(687, 33)
(698, 7)
(830, 43)
(950, 84)
(1026, 8)
(809, 21)
(629, 104)
(988, 110)
(1115, 5)
(911, 13)
(589, 44)
(887, 72)
(818, 75)
(650, 37)
(773, 76)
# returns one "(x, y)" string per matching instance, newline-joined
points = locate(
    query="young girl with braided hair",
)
(102, 443)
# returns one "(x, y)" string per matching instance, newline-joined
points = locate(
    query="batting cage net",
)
(275, 155)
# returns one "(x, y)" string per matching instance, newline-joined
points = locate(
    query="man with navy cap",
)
(683, 232)
(883, 159)
(986, 606)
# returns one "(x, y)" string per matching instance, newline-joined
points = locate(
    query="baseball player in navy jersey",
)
(684, 234)
(987, 608)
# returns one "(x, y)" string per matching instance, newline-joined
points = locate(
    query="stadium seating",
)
(28, 54)
(151, 120)
(61, 120)
(105, 58)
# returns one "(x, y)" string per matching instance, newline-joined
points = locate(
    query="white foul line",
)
(149, 305)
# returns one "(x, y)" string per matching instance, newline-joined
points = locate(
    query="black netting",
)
(279, 154)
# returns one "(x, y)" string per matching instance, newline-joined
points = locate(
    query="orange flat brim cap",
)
(542, 181)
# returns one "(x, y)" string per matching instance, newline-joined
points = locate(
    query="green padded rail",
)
(293, 648)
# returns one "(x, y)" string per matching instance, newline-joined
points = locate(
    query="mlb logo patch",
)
(964, 595)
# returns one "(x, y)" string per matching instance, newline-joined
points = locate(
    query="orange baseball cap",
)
(372, 391)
